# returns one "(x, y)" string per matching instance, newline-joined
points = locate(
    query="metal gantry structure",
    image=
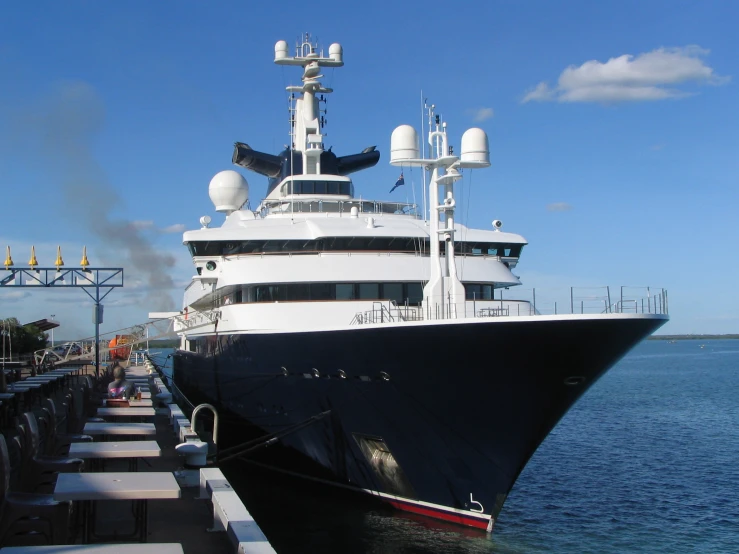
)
(96, 282)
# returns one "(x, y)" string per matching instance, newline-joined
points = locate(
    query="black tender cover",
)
(278, 167)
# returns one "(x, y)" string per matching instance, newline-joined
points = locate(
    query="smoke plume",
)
(70, 122)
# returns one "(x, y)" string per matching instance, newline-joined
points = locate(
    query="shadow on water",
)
(300, 516)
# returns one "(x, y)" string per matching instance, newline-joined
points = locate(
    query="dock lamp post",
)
(52, 331)
(92, 281)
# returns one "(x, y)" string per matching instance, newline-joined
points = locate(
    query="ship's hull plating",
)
(438, 419)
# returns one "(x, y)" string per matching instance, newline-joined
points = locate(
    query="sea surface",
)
(646, 461)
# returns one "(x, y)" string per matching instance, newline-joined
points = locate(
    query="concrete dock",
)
(208, 516)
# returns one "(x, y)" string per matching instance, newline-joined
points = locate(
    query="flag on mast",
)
(399, 182)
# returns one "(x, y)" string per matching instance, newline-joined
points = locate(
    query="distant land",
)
(164, 343)
(692, 337)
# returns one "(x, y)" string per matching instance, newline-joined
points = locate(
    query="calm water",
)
(647, 461)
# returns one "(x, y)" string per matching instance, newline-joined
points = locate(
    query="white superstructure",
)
(314, 256)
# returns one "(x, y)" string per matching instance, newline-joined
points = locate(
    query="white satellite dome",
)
(403, 144)
(475, 148)
(281, 50)
(228, 191)
(336, 52)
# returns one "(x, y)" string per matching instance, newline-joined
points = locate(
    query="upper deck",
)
(327, 205)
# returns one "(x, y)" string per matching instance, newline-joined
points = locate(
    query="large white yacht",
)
(366, 344)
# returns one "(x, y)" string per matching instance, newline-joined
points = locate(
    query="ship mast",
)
(306, 122)
(444, 295)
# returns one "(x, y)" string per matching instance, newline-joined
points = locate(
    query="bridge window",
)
(479, 291)
(393, 291)
(343, 188)
(345, 291)
(369, 291)
(321, 291)
(297, 291)
(414, 293)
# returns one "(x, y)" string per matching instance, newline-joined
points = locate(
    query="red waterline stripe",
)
(438, 514)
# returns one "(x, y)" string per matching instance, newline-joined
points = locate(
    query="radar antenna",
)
(444, 288)
(306, 121)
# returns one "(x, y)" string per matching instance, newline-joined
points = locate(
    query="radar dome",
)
(281, 51)
(475, 149)
(403, 144)
(336, 52)
(228, 191)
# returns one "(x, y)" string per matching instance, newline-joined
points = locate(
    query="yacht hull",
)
(437, 418)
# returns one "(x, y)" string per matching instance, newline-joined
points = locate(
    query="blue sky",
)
(614, 133)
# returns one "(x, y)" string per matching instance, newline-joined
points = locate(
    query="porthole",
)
(210, 266)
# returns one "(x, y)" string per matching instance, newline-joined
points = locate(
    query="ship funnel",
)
(356, 162)
(259, 162)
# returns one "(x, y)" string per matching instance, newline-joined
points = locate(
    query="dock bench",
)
(175, 413)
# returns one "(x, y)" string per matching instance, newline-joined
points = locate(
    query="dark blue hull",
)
(436, 419)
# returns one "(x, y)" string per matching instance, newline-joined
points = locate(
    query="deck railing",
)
(387, 312)
(341, 207)
(526, 302)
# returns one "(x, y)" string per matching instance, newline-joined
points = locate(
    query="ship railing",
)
(523, 302)
(552, 301)
(190, 319)
(387, 312)
(341, 207)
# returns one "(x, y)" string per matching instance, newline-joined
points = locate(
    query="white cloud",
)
(559, 207)
(176, 228)
(627, 78)
(14, 295)
(539, 92)
(481, 114)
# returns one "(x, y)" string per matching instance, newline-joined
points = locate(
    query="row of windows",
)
(318, 187)
(410, 294)
(401, 293)
(348, 244)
